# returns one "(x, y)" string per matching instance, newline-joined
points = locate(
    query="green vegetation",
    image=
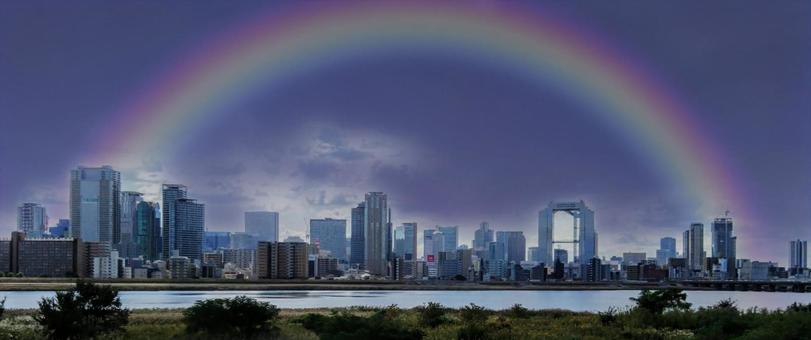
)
(83, 312)
(656, 315)
(240, 317)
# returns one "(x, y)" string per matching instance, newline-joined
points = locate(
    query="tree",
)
(432, 314)
(657, 301)
(240, 317)
(85, 311)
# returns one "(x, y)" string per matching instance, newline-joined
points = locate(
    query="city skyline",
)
(452, 140)
(265, 226)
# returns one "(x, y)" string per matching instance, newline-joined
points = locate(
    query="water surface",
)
(571, 300)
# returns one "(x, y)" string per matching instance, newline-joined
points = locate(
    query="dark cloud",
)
(451, 141)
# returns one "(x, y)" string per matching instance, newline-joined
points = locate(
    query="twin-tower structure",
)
(583, 238)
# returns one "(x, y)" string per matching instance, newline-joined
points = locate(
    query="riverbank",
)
(45, 284)
(720, 321)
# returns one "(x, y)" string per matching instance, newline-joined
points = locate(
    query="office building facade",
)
(263, 224)
(357, 246)
(170, 193)
(32, 219)
(514, 245)
(798, 254)
(377, 233)
(94, 203)
(724, 246)
(281, 260)
(330, 236)
(124, 241)
(147, 231)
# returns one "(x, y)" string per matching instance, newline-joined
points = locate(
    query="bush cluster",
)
(92, 312)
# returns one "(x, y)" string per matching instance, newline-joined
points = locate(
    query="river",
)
(570, 300)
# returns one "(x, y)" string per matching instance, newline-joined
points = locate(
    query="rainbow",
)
(281, 43)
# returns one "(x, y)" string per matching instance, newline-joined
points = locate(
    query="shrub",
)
(517, 311)
(608, 317)
(240, 317)
(657, 301)
(432, 314)
(347, 326)
(85, 311)
(473, 313)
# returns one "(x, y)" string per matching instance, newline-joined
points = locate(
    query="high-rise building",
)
(263, 224)
(190, 224)
(357, 247)
(667, 250)
(798, 254)
(281, 260)
(215, 240)
(633, 259)
(482, 237)
(497, 260)
(562, 255)
(170, 193)
(449, 238)
(377, 233)
(586, 235)
(94, 203)
(694, 238)
(533, 254)
(724, 244)
(32, 219)
(514, 245)
(429, 252)
(408, 245)
(126, 240)
(62, 229)
(330, 236)
(399, 242)
(148, 231)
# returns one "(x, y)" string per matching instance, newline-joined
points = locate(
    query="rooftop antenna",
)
(726, 213)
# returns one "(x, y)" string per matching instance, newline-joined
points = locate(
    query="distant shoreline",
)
(45, 284)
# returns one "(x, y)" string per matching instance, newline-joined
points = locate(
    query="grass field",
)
(720, 322)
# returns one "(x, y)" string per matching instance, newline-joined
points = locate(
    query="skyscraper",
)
(695, 247)
(330, 235)
(449, 238)
(409, 241)
(405, 241)
(190, 224)
(32, 219)
(148, 231)
(263, 224)
(562, 255)
(357, 246)
(586, 235)
(94, 203)
(126, 241)
(533, 254)
(723, 245)
(667, 249)
(377, 236)
(482, 238)
(798, 254)
(170, 193)
(429, 252)
(514, 245)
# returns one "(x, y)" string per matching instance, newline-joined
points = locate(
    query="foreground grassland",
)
(723, 321)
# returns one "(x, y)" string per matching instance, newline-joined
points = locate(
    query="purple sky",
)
(452, 142)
